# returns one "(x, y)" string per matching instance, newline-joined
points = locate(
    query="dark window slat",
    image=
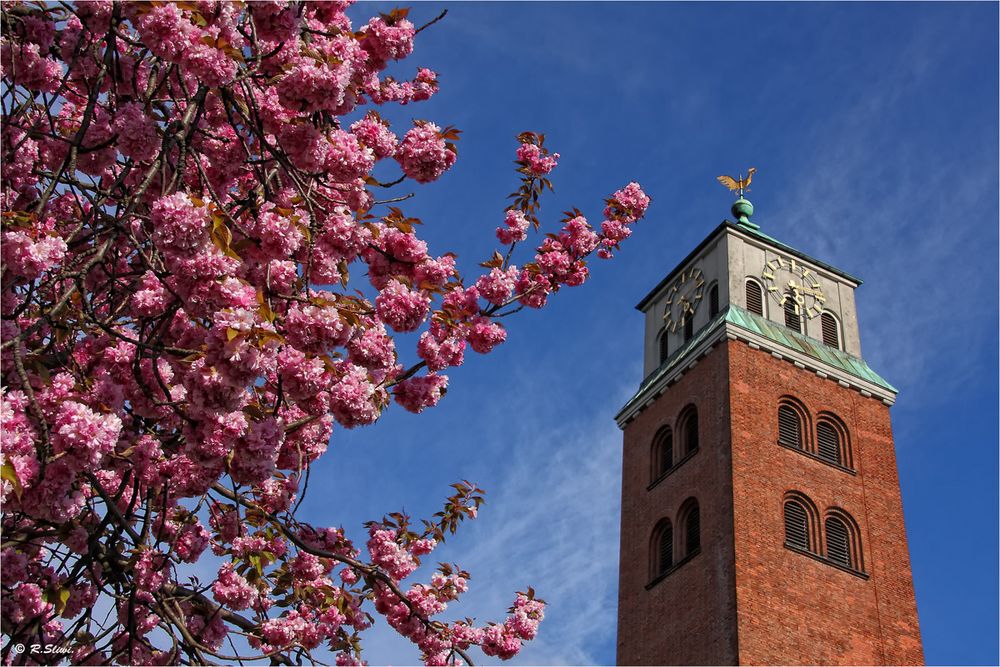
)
(789, 427)
(693, 530)
(828, 442)
(689, 429)
(792, 319)
(665, 450)
(831, 336)
(666, 549)
(796, 525)
(755, 299)
(838, 542)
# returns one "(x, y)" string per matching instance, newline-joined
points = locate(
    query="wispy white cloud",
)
(551, 521)
(887, 212)
(556, 525)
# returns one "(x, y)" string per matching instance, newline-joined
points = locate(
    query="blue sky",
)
(874, 129)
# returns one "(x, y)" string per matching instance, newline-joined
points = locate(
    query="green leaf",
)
(63, 599)
(9, 474)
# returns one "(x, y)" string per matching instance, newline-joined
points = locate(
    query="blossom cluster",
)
(201, 289)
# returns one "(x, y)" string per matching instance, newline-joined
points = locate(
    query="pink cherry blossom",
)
(389, 41)
(515, 229)
(418, 393)
(207, 278)
(401, 308)
(233, 590)
(374, 133)
(423, 154)
(137, 135)
(537, 159)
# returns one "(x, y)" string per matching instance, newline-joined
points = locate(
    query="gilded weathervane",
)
(738, 186)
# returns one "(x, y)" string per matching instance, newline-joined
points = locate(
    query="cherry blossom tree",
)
(202, 280)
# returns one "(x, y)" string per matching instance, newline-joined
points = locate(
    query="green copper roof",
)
(776, 333)
(806, 345)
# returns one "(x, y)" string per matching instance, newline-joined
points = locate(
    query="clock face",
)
(683, 297)
(787, 280)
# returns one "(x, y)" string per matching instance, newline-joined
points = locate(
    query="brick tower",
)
(761, 513)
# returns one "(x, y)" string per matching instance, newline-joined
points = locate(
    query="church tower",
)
(761, 514)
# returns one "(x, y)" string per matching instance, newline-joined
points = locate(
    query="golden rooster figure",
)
(738, 185)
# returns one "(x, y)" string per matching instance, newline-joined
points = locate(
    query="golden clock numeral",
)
(815, 285)
(805, 273)
(673, 327)
(812, 312)
(774, 265)
(793, 265)
(784, 298)
(699, 282)
(768, 275)
(772, 288)
(798, 311)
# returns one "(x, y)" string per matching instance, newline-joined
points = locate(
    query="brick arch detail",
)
(854, 535)
(846, 450)
(815, 530)
(805, 420)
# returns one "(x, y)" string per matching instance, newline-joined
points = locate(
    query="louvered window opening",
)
(691, 433)
(831, 336)
(713, 301)
(665, 451)
(663, 346)
(755, 299)
(828, 442)
(688, 328)
(796, 526)
(666, 549)
(792, 319)
(789, 427)
(838, 542)
(693, 530)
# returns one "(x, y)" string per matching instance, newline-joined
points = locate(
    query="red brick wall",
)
(688, 618)
(746, 598)
(792, 608)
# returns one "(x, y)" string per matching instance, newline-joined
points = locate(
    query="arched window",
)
(661, 549)
(663, 452)
(663, 345)
(690, 519)
(688, 328)
(831, 441)
(755, 297)
(791, 421)
(687, 428)
(843, 546)
(831, 331)
(713, 300)
(800, 523)
(792, 318)
(838, 541)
